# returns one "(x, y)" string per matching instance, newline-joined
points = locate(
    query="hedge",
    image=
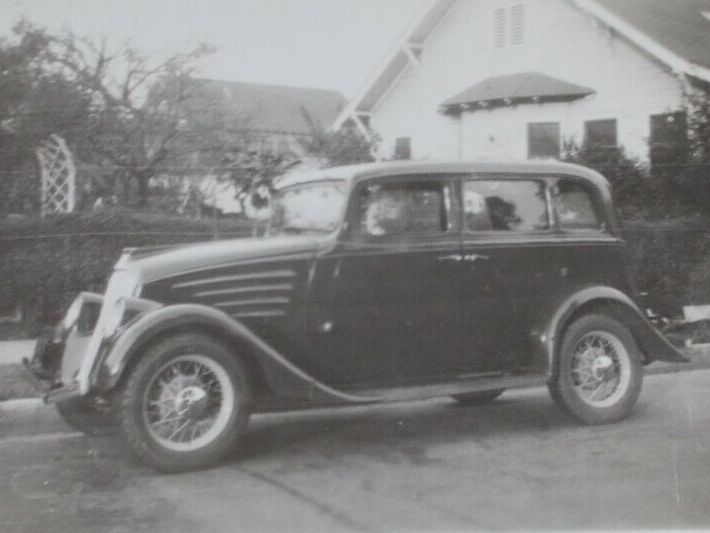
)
(668, 259)
(45, 262)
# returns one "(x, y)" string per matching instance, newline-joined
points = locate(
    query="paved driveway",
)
(431, 466)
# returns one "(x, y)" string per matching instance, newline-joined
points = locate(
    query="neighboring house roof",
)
(518, 88)
(276, 108)
(675, 32)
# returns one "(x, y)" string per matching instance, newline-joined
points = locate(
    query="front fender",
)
(548, 332)
(281, 375)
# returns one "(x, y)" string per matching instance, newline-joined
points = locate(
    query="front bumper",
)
(67, 359)
(61, 352)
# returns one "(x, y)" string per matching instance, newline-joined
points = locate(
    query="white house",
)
(516, 78)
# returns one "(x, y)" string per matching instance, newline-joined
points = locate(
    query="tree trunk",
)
(143, 190)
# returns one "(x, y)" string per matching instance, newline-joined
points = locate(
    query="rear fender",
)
(547, 336)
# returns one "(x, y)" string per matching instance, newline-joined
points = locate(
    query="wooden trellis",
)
(58, 176)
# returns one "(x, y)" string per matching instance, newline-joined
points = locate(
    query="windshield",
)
(309, 207)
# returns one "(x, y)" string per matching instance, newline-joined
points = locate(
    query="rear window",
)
(505, 205)
(574, 205)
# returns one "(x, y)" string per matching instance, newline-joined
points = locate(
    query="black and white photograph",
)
(397, 266)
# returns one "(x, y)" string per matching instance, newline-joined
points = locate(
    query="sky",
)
(330, 44)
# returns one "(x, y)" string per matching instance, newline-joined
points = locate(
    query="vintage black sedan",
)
(381, 282)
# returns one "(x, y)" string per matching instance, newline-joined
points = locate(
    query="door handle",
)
(453, 257)
(472, 258)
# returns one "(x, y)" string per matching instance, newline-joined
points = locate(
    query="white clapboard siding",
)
(560, 41)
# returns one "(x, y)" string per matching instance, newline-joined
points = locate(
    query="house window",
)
(403, 148)
(669, 141)
(544, 140)
(509, 25)
(600, 133)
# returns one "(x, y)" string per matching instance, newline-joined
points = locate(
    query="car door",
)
(396, 293)
(505, 239)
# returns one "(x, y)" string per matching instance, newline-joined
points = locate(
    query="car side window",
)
(505, 205)
(403, 207)
(574, 205)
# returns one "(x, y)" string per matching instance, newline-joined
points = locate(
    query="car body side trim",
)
(166, 318)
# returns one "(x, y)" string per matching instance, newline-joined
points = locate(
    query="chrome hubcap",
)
(601, 368)
(191, 402)
(188, 403)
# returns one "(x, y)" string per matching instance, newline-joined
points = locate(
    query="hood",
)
(155, 263)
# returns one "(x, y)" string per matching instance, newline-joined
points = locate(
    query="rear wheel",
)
(186, 403)
(478, 398)
(600, 372)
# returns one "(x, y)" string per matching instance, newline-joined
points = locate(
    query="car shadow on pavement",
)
(359, 430)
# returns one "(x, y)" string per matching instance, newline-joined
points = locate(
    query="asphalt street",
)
(419, 466)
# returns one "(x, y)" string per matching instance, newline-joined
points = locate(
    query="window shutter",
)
(517, 24)
(500, 29)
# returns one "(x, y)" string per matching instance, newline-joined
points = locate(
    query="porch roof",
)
(526, 87)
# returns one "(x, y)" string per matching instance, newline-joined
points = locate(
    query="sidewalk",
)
(12, 352)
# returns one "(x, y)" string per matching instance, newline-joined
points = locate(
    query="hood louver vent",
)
(247, 295)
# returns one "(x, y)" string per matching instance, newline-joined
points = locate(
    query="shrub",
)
(635, 193)
(45, 262)
(663, 255)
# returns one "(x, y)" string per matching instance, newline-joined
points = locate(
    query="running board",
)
(450, 388)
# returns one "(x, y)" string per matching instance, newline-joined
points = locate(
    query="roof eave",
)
(417, 33)
(676, 63)
(496, 103)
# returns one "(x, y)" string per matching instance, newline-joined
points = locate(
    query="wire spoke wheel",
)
(601, 368)
(188, 402)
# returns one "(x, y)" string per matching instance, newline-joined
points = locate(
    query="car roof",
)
(354, 173)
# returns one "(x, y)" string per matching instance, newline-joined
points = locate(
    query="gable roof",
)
(396, 60)
(675, 32)
(517, 88)
(678, 25)
(275, 108)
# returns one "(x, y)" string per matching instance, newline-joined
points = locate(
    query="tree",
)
(690, 176)
(137, 109)
(345, 146)
(34, 102)
(636, 194)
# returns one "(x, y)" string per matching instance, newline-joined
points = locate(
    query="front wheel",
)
(186, 403)
(600, 372)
